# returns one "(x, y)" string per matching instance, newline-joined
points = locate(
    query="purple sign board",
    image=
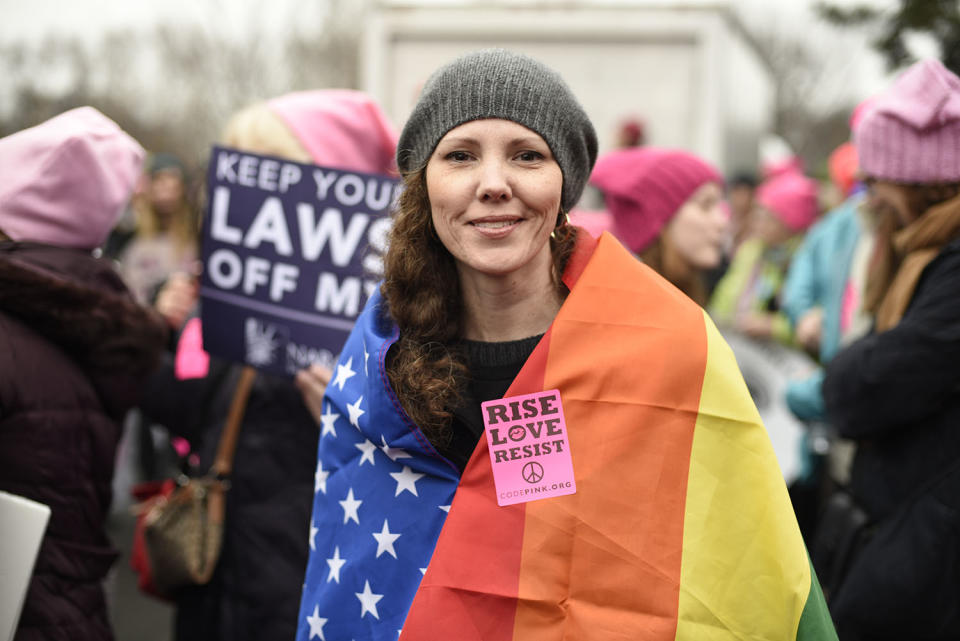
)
(291, 253)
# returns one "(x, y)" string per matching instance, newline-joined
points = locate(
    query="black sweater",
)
(493, 366)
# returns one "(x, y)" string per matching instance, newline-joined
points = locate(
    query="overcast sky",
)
(856, 66)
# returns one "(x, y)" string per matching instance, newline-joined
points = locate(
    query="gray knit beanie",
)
(496, 83)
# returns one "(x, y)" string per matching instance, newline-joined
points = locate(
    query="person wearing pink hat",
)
(747, 297)
(255, 590)
(665, 207)
(894, 392)
(74, 349)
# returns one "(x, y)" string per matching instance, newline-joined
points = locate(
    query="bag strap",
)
(223, 463)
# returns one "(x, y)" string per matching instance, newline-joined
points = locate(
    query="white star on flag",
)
(355, 412)
(366, 357)
(385, 539)
(344, 372)
(406, 480)
(313, 535)
(368, 448)
(316, 623)
(393, 453)
(445, 508)
(320, 479)
(368, 601)
(329, 422)
(350, 506)
(335, 564)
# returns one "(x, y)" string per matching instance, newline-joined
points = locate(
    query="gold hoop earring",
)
(563, 219)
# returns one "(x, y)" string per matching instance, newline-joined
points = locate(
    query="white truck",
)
(687, 70)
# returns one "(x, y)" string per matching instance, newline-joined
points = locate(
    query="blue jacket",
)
(817, 277)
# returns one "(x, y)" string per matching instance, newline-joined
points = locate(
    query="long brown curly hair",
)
(421, 290)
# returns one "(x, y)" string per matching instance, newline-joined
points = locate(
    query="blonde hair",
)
(183, 223)
(258, 129)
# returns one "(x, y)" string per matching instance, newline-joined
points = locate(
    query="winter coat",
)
(255, 590)
(897, 393)
(820, 269)
(818, 277)
(74, 347)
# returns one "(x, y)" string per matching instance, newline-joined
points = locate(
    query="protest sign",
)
(291, 252)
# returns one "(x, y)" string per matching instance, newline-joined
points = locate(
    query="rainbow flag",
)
(680, 527)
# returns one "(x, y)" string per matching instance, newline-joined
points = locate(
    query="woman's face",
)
(768, 227)
(889, 198)
(166, 192)
(495, 193)
(697, 230)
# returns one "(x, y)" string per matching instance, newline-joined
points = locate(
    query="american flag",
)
(381, 495)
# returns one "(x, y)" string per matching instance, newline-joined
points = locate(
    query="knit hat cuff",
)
(891, 150)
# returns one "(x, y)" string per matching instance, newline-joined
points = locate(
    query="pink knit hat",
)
(911, 134)
(340, 128)
(644, 187)
(67, 180)
(792, 197)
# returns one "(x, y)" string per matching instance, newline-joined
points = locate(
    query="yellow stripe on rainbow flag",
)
(737, 500)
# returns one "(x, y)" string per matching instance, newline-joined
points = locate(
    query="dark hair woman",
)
(516, 409)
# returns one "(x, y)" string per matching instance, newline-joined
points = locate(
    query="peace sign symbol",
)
(532, 472)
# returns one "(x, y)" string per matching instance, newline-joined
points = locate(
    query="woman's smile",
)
(495, 191)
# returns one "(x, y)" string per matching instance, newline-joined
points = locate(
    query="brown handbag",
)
(182, 530)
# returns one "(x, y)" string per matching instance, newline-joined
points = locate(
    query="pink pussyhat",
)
(776, 157)
(792, 197)
(643, 187)
(911, 132)
(340, 128)
(67, 180)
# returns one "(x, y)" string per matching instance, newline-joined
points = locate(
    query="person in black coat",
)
(896, 392)
(255, 590)
(74, 349)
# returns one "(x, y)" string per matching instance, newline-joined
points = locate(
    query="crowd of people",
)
(496, 285)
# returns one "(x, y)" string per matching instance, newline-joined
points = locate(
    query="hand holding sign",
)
(176, 299)
(312, 383)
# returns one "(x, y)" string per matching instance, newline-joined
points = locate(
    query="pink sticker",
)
(529, 447)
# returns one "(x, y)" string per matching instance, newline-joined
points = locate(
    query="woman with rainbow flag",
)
(529, 433)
